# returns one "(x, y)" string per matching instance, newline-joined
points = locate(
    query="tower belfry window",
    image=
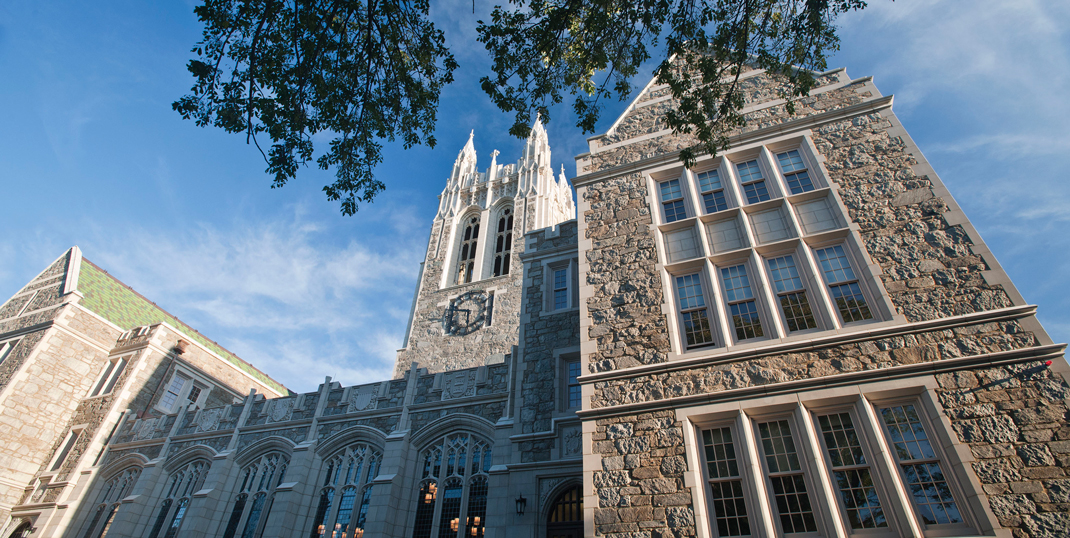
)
(503, 244)
(466, 263)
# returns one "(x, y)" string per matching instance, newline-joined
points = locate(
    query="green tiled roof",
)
(121, 305)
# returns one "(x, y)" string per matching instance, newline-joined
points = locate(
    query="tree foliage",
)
(369, 71)
(590, 49)
(363, 70)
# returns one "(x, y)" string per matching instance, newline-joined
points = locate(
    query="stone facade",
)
(831, 334)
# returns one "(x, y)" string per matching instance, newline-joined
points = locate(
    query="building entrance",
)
(566, 515)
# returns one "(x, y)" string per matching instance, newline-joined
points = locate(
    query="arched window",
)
(348, 478)
(256, 494)
(503, 242)
(182, 484)
(466, 260)
(23, 530)
(459, 462)
(114, 491)
(566, 515)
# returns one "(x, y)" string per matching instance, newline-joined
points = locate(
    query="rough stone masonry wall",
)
(542, 335)
(428, 343)
(1015, 420)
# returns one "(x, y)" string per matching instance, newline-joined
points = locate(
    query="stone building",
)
(802, 336)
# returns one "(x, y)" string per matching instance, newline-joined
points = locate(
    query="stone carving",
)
(297, 435)
(363, 398)
(547, 487)
(209, 419)
(281, 409)
(458, 384)
(148, 427)
(571, 440)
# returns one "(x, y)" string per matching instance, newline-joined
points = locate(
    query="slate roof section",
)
(120, 304)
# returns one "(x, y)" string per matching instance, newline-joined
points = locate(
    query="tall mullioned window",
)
(790, 294)
(693, 314)
(503, 242)
(709, 183)
(741, 302)
(784, 470)
(181, 486)
(348, 479)
(752, 181)
(114, 491)
(920, 465)
(795, 174)
(466, 259)
(843, 284)
(452, 499)
(728, 500)
(256, 494)
(851, 471)
(672, 200)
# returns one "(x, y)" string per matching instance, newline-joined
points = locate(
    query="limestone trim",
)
(840, 338)
(348, 436)
(187, 455)
(807, 122)
(1038, 354)
(456, 422)
(74, 266)
(274, 443)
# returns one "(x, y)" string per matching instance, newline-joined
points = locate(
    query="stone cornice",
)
(799, 124)
(1002, 314)
(1040, 353)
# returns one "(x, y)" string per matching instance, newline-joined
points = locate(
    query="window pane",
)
(476, 513)
(749, 171)
(785, 274)
(756, 192)
(425, 510)
(736, 283)
(709, 180)
(674, 211)
(790, 161)
(670, 190)
(770, 226)
(850, 302)
(797, 313)
(799, 182)
(697, 328)
(835, 265)
(779, 447)
(851, 472)
(729, 508)
(689, 291)
(720, 453)
(793, 504)
(449, 521)
(745, 320)
(925, 480)
(724, 235)
(715, 201)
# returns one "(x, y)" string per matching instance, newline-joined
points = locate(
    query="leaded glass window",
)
(466, 259)
(787, 481)
(252, 504)
(182, 484)
(347, 478)
(503, 242)
(452, 501)
(118, 487)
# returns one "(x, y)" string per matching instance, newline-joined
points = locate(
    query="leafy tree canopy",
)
(369, 71)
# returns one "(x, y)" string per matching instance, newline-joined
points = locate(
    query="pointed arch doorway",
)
(566, 515)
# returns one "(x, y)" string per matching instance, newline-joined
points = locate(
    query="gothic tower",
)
(466, 311)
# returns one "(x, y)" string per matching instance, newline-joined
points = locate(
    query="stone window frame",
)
(711, 297)
(808, 152)
(562, 359)
(66, 447)
(863, 400)
(811, 283)
(107, 381)
(7, 346)
(878, 303)
(475, 258)
(193, 380)
(570, 264)
(767, 164)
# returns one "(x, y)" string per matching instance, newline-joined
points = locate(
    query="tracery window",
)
(466, 261)
(348, 478)
(115, 490)
(459, 462)
(182, 484)
(503, 243)
(253, 503)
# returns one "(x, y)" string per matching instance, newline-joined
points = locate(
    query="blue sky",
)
(92, 155)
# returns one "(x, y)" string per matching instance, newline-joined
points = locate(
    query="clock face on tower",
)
(466, 314)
